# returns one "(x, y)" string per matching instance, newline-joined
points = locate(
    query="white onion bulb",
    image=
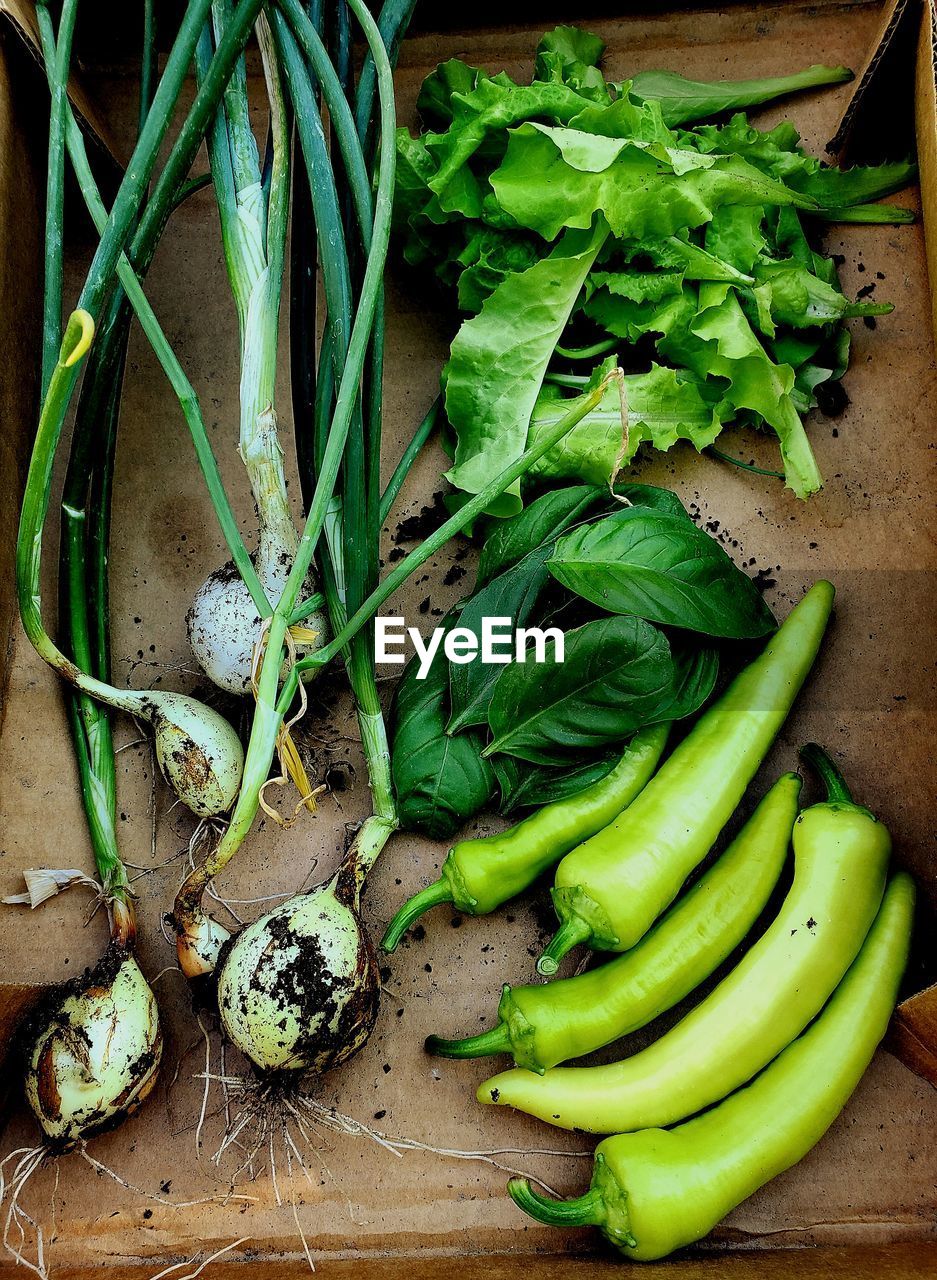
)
(224, 625)
(95, 1053)
(198, 751)
(299, 988)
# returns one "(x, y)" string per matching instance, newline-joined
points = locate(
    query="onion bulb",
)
(299, 988)
(224, 625)
(93, 1050)
(200, 940)
(199, 753)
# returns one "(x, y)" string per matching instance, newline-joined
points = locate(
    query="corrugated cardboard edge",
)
(913, 1036)
(893, 13)
(22, 15)
(926, 128)
(900, 1261)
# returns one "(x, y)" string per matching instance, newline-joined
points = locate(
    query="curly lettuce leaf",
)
(552, 178)
(685, 100)
(736, 236)
(776, 151)
(570, 56)
(499, 357)
(415, 167)
(663, 407)
(695, 262)
(492, 107)
(488, 258)
(797, 298)
(623, 317)
(706, 331)
(434, 102)
(639, 286)
(755, 382)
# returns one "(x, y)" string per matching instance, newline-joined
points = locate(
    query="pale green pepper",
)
(610, 890)
(841, 854)
(545, 1023)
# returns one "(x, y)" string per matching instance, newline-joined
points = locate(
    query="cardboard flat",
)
(21, 15)
(863, 1201)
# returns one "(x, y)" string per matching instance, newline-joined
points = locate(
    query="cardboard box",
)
(862, 1204)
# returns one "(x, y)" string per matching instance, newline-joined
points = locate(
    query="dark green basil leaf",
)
(616, 675)
(695, 675)
(662, 568)
(512, 594)
(440, 781)
(553, 513)
(648, 495)
(530, 786)
(540, 522)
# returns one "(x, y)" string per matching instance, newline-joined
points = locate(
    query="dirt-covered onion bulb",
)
(224, 625)
(198, 751)
(200, 940)
(299, 988)
(92, 1050)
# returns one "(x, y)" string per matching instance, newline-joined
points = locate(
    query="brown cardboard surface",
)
(870, 1183)
(22, 14)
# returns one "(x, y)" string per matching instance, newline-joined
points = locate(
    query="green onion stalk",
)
(224, 622)
(348, 954)
(91, 1051)
(197, 749)
(318, 934)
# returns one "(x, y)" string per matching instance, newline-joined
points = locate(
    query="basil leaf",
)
(544, 519)
(616, 675)
(695, 674)
(648, 495)
(440, 781)
(513, 595)
(530, 786)
(663, 569)
(540, 522)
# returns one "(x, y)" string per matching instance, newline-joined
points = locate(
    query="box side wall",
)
(873, 1178)
(926, 128)
(21, 203)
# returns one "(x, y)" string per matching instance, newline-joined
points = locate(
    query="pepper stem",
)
(434, 894)
(495, 1040)
(585, 1211)
(830, 776)
(571, 932)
